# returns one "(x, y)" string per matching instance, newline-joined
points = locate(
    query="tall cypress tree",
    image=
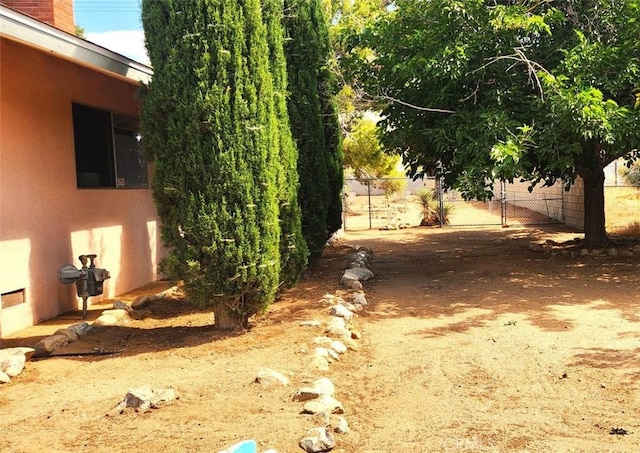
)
(307, 59)
(293, 248)
(209, 121)
(327, 90)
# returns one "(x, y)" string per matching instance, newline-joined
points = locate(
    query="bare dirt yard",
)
(470, 342)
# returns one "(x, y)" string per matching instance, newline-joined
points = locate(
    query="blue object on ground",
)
(246, 446)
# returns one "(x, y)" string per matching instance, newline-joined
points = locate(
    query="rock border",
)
(335, 337)
(11, 357)
(553, 249)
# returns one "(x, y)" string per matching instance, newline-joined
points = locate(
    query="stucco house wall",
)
(46, 221)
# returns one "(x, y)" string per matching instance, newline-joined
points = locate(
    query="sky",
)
(114, 24)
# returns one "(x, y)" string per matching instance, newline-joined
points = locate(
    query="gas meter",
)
(88, 279)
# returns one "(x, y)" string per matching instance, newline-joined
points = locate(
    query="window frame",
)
(101, 137)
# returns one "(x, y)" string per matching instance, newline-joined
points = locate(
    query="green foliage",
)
(431, 213)
(293, 248)
(392, 183)
(313, 116)
(363, 151)
(210, 122)
(477, 91)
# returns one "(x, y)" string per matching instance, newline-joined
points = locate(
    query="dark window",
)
(108, 149)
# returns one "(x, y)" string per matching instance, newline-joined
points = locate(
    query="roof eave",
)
(19, 27)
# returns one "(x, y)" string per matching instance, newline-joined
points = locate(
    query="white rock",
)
(174, 291)
(363, 249)
(106, 320)
(321, 352)
(341, 427)
(4, 379)
(359, 298)
(340, 310)
(22, 350)
(319, 363)
(326, 403)
(117, 313)
(349, 306)
(350, 343)
(322, 340)
(144, 398)
(360, 273)
(338, 346)
(311, 323)
(324, 386)
(360, 256)
(356, 273)
(13, 365)
(321, 419)
(353, 284)
(267, 376)
(336, 323)
(337, 327)
(317, 440)
(330, 299)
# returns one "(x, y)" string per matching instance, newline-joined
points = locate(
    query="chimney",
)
(58, 13)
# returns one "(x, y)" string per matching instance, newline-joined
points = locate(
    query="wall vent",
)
(12, 298)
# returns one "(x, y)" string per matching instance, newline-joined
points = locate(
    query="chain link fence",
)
(391, 203)
(622, 207)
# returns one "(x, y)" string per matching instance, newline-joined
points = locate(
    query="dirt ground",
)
(471, 342)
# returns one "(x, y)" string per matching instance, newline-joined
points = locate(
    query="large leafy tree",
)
(480, 91)
(314, 122)
(210, 122)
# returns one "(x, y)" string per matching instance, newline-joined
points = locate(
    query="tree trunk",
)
(225, 320)
(595, 235)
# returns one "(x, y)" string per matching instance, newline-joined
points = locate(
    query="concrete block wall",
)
(571, 211)
(574, 205)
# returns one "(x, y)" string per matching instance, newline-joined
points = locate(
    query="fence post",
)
(503, 203)
(369, 198)
(440, 189)
(344, 207)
